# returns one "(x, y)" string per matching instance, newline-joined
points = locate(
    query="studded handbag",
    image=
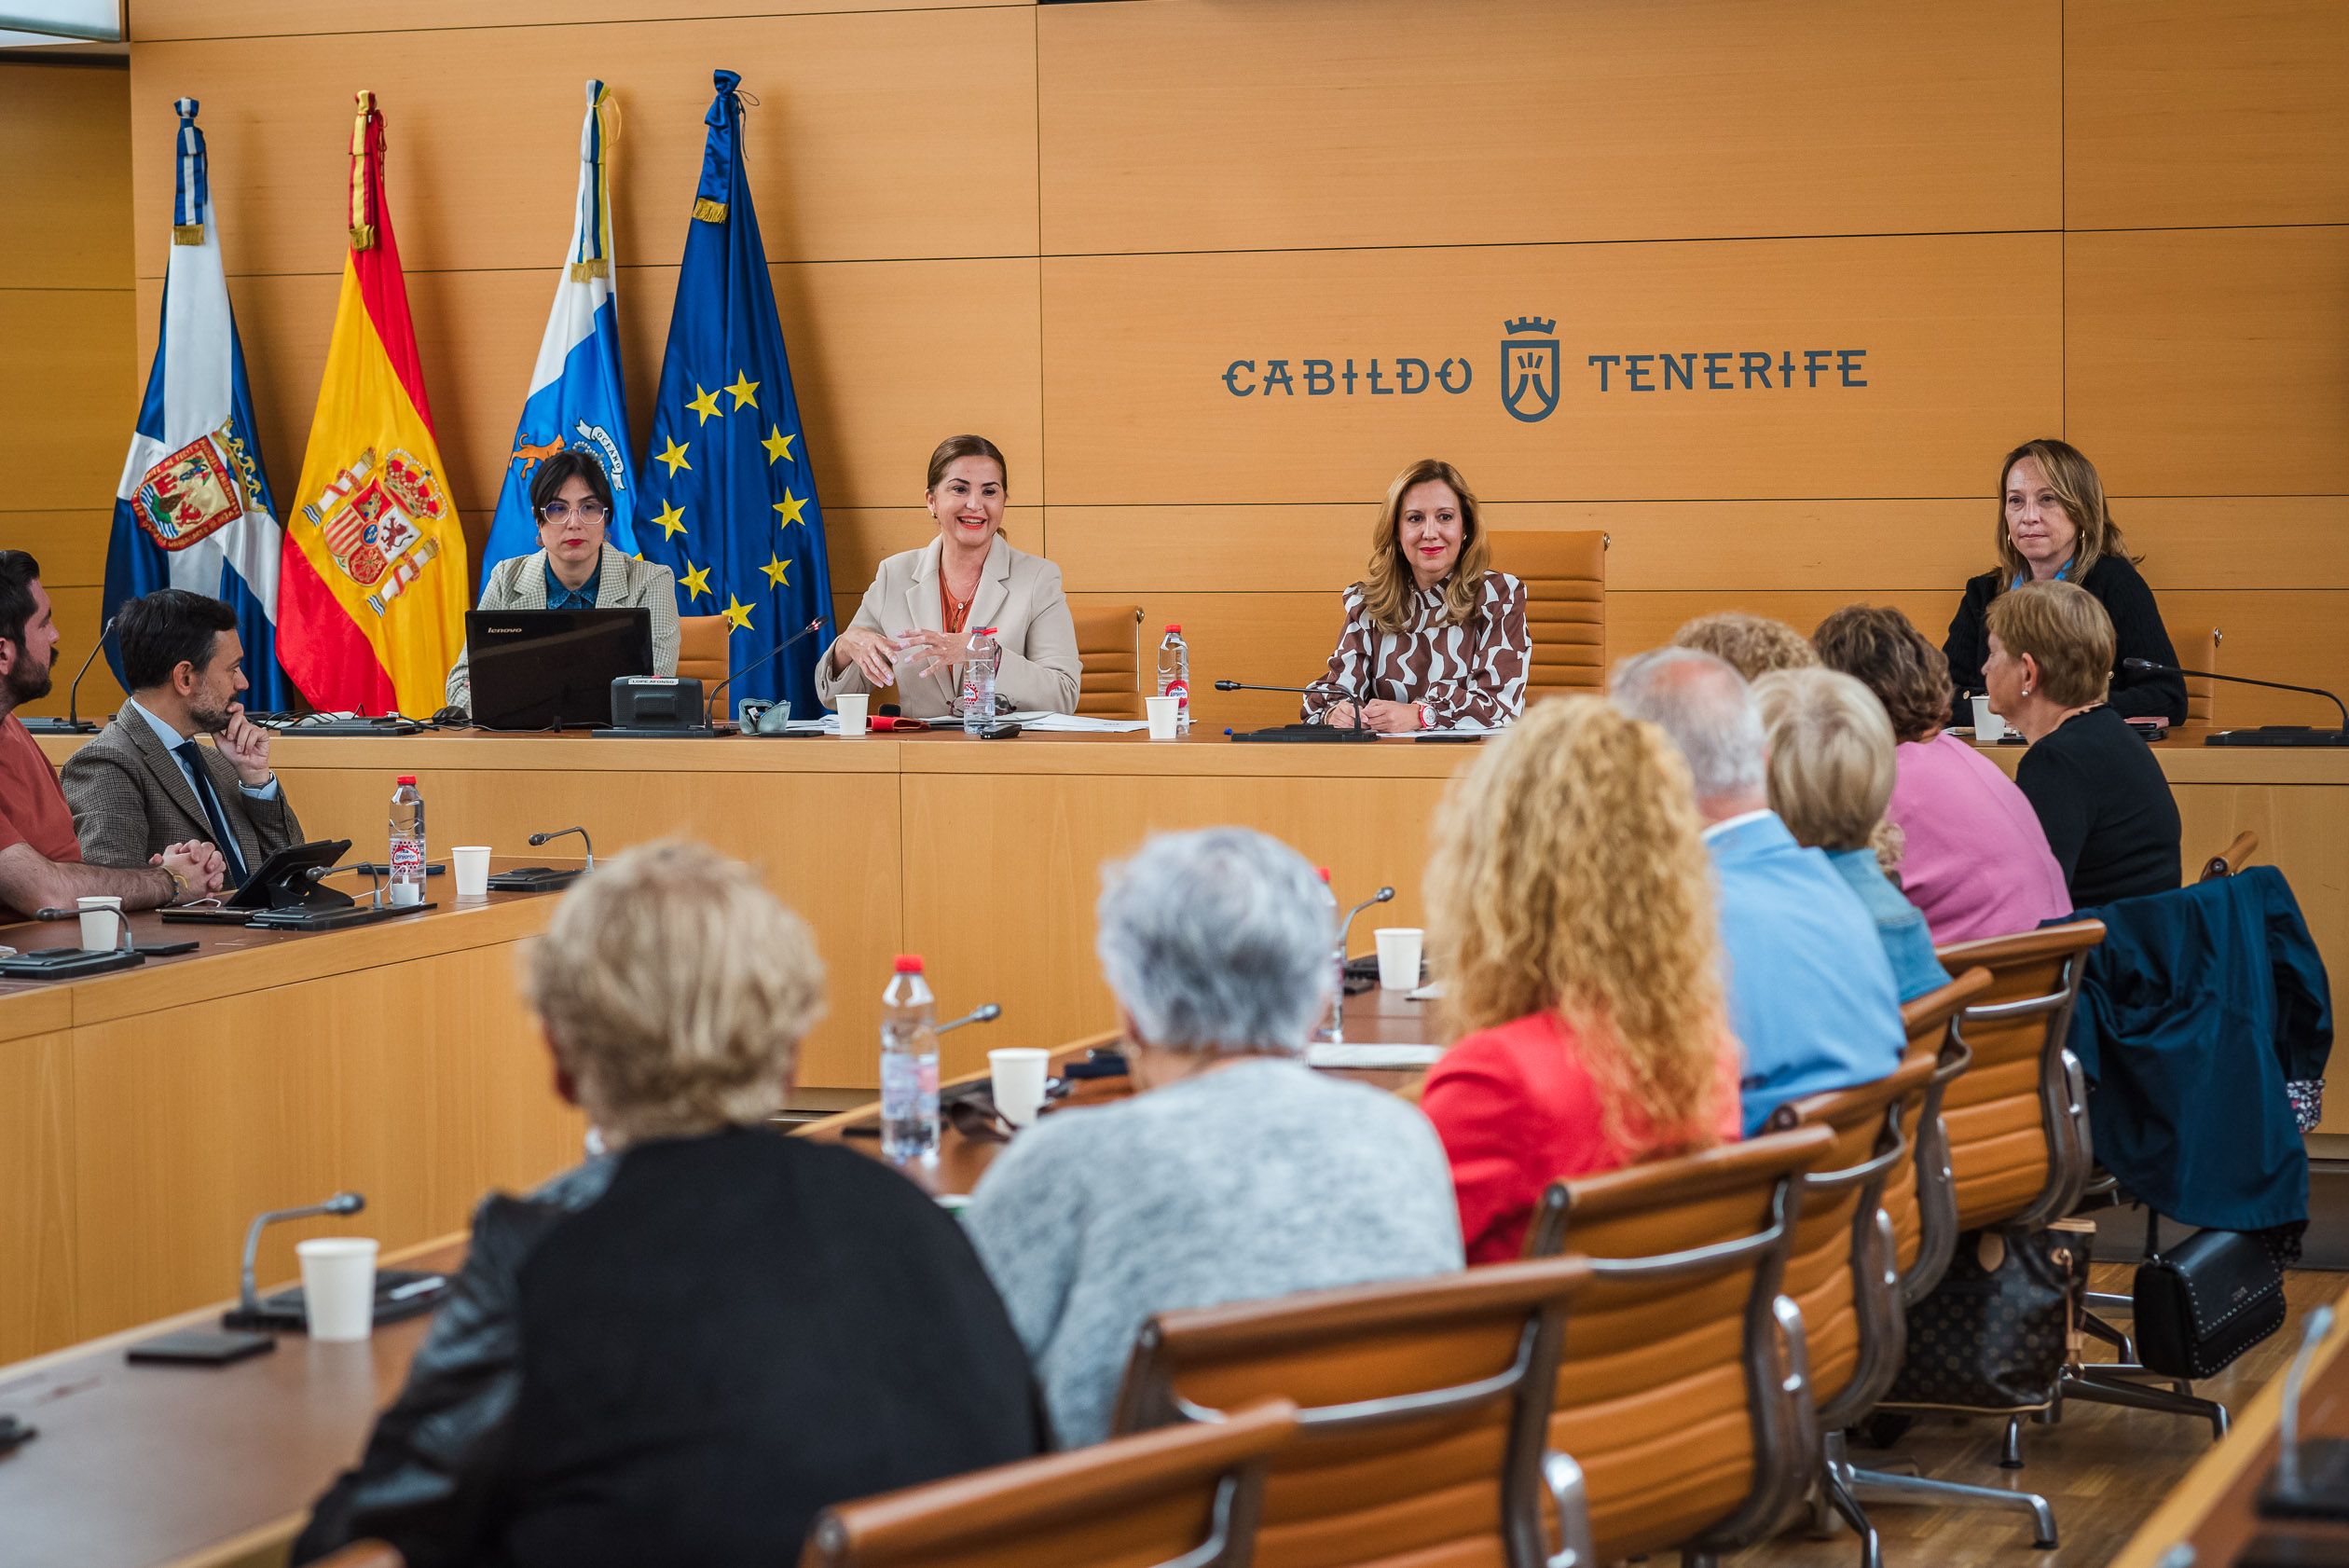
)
(2205, 1302)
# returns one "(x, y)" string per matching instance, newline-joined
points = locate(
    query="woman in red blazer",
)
(1572, 912)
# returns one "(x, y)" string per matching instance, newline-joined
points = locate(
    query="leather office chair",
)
(1924, 1213)
(1109, 650)
(2015, 1121)
(1842, 1273)
(1683, 1393)
(701, 653)
(1565, 578)
(2201, 654)
(1421, 1413)
(1187, 1496)
(2233, 858)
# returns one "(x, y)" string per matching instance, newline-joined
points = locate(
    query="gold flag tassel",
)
(607, 130)
(363, 234)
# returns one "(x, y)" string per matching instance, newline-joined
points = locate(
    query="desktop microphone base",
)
(534, 879)
(2279, 735)
(1309, 735)
(60, 726)
(651, 732)
(332, 920)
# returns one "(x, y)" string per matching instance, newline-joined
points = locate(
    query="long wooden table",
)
(146, 1116)
(985, 856)
(140, 1465)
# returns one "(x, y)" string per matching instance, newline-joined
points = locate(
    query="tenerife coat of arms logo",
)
(194, 492)
(371, 517)
(1530, 368)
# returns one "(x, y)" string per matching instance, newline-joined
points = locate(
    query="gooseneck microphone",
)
(709, 704)
(536, 839)
(74, 724)
(1301, 732)
(2267, 734)
(248, 1298)
(986, 1014)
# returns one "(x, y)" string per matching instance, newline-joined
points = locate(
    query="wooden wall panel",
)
(36, 1194)
(1191, 125)
(67, 400)
(866, 358)
(2210, 362)
(2191, 112)
(160, 19)
(1962, 335)
(858, 147)
(65, 182)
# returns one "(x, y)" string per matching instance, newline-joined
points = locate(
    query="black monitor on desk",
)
(542, 670)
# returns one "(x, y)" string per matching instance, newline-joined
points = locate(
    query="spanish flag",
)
(372, 589)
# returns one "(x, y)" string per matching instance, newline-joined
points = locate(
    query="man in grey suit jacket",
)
(144, 783)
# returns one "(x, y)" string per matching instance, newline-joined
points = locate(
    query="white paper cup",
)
(1165, 714)
(101, 922)
(1018, 1071)
(1988, 726)
(338, 1285)
(852, 707)
(469, 863)
(1399, 957)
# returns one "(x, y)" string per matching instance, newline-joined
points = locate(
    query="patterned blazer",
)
(131, 800)
(519, 583)
(1470, 673)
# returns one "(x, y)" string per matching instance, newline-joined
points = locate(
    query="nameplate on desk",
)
(1327, 1054)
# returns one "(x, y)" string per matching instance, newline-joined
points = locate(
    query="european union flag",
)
(729, 494)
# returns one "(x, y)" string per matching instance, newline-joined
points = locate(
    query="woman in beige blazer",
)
(917, 617)
(570, 495)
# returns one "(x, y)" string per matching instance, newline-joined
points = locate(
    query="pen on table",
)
(418, 1288)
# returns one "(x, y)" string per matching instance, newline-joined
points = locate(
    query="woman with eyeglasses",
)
(573, 568)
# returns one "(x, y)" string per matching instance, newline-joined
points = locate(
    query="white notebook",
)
(1325, 1054)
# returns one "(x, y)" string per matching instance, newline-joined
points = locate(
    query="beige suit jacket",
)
(1019, 595)
(519, 583)
(131, 800)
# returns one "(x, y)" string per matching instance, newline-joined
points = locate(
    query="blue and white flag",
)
(193, 510)
(730, 503)
(577, 398)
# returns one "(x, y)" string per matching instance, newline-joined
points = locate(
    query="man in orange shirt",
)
(40, 859)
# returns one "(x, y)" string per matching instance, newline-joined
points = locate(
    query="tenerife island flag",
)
(576, 395)
(193, 510)
(374, 585)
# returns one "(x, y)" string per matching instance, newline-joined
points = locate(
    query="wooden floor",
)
(2102, 1468)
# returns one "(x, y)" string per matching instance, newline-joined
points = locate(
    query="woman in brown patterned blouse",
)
(1434, 639)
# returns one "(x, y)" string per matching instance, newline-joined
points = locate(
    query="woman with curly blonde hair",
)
(1572, 916)
(1433, 637)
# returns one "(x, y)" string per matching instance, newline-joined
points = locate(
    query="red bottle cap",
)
(407, 778)
(908, 963)
(1324, 873)
(984, 631)
(1174, 625)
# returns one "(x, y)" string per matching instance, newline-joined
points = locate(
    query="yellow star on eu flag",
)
(778, 572)
(737, 613)
(705, 405)
(696, 579)
(746, 391)
(777, 445)
(791, 506)
(671, 518)
(674, 456)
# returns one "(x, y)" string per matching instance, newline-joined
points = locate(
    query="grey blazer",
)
(1019, 595)
(519, 583)
(131, 800)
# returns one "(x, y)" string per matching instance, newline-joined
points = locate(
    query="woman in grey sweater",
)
(1237, 1172)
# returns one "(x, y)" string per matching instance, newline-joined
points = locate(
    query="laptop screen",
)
(540, 669)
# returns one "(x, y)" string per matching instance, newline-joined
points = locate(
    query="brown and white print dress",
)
(1473, 673)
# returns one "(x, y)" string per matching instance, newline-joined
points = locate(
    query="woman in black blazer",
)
(682, 1350)
(2053, 526)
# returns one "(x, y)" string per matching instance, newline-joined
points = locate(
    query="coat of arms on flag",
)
(191, 494)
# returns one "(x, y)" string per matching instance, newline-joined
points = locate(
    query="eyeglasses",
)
(559, 512)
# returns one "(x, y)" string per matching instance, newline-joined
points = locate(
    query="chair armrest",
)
(1564, 1479)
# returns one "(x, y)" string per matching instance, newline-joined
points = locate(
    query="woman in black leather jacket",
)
(680, 1351)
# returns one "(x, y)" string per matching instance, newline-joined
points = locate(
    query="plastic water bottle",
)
(1331, 1029)
(909, 1064)
(1174, 674)
(407, 843)
(979, 681)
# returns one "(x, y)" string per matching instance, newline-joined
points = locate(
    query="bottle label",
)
(1179, 689)
(408, 857)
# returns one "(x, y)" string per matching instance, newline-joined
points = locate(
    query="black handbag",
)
(1994, 1335)
(2205, 1302)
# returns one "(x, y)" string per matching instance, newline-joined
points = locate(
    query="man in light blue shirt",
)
(1812, 995)
(145, 781)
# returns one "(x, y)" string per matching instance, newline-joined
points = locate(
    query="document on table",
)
(1325, 1054)
(1043, 724)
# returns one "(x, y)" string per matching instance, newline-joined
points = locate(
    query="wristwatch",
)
(1427, 717)
(179, 886)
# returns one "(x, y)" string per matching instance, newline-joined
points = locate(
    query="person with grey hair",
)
(1811, 995)
(1235, 1172)
(681, 1351)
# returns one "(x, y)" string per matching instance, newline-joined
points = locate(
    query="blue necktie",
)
(191, 757)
